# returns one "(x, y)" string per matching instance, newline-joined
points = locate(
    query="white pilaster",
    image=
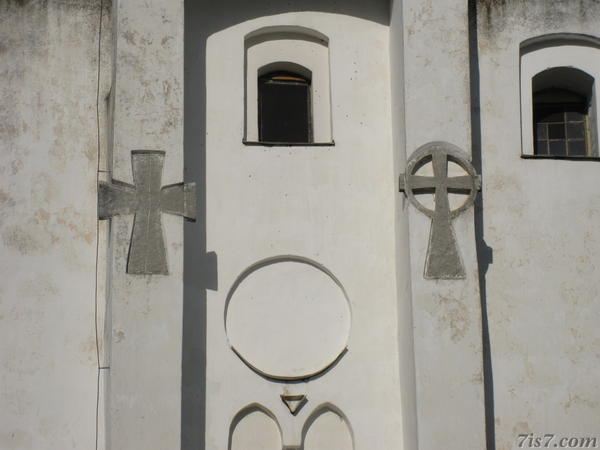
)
(145, 374)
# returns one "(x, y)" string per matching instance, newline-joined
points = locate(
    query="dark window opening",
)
(284, 108)
(561, 128)
(561, 99)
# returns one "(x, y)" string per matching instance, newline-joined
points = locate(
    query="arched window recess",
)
(287, 95)
(559, 105)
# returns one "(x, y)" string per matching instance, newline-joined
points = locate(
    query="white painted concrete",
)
(333, 205)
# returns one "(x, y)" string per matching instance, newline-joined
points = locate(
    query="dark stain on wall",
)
(496, 14)
(44, 4)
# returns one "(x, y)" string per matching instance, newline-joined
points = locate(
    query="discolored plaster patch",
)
(88, 349)
(41, 287)
(498, 15)
(577, 400)
(453, 315)
(43, 229)
(119, 336)
(22, 240)
(6, 201)
(521, 428)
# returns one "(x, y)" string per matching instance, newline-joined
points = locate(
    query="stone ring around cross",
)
(439, 153)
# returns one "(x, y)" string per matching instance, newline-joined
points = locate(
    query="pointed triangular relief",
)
(294, 402)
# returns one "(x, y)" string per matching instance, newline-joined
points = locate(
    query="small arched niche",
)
(254, 428)
(287, 69)
(325, 429)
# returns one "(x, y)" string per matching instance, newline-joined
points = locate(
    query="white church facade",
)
(299, 225)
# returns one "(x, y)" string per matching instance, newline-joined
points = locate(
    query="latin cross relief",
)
(146, 199)
(443, 259)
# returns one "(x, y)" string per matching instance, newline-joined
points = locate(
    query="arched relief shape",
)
(327, 428)
(288, 318)
(285, 66)
(285, 48)
(254, 428)
(285, 32)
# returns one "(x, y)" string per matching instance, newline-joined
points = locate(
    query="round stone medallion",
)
(287, 318)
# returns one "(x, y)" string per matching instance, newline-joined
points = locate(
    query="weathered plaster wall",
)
(48, 162)
(446, 313)
(144, 385)
(541, 220)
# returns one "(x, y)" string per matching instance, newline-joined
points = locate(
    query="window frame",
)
(553, 51)
(293, 49)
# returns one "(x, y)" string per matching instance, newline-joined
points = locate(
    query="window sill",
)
(288, 144)
(568, 158)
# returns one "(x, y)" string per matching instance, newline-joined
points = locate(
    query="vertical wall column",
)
(446, 313)
(144, 399)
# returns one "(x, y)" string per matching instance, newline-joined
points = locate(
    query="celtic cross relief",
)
(147, 200)
(443, 258)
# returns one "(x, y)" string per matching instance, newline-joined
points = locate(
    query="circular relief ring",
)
(287, 318)
(447, 152)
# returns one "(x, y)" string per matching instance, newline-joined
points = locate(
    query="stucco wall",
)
(144, 393)
(446, 313)
(541, 220)
(48, 168)
(333, 205)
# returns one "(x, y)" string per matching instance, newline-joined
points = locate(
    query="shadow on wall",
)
(202, 19)
(485, 255)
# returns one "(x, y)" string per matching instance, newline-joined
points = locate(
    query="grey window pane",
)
(556, 131)
(541, 147)
(550, 115)
(541, 131)
(577, 148)
(575, 130)
(558, 148)
(575, 116)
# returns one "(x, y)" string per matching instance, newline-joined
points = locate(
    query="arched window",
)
(561, 103)
(284, 108)
(287, 92)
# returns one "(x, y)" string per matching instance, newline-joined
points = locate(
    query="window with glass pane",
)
(561, 103)
(561, 129)
(284, 108)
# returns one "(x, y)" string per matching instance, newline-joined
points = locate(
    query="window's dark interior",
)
(284, 108)
(561, 99)
(560, 119)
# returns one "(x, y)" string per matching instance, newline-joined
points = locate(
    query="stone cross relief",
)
(443, 258)
(146, 199)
